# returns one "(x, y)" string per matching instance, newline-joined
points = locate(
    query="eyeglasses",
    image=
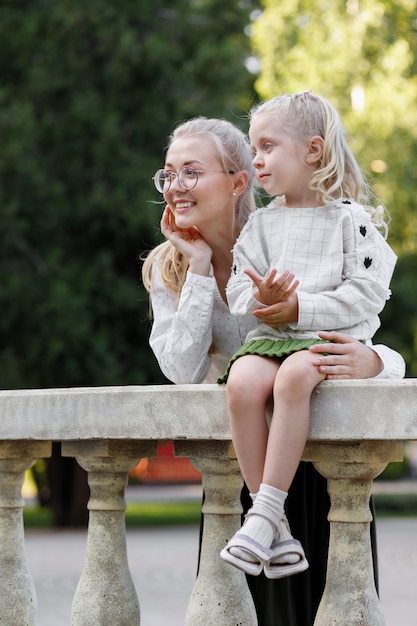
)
(187, 178)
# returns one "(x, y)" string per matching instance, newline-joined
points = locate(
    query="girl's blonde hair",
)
(235, 154)
(304, 115)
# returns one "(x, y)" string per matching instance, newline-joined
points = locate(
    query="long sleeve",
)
(181, 333)
(368, 264)
(394, 364)
(249, 252)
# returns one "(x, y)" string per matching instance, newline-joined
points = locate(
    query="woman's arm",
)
(345, 357)
(181, 333)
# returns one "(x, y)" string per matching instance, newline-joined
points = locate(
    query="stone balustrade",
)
(356, 428)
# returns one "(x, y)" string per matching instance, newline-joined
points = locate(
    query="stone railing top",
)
(341, 410)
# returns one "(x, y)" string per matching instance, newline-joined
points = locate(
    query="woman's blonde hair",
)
(304, 115)
(235, 154)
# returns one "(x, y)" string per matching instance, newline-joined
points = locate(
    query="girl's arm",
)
(367, 270)
(181, 333)
(249, 260)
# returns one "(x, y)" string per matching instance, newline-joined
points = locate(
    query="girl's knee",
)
(237, 381)
(248, 382)
(298, 373)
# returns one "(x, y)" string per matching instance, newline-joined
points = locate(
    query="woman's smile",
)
(184, 205)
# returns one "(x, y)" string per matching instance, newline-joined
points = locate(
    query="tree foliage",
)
(89, 92)
(362, 55)
(399, 318)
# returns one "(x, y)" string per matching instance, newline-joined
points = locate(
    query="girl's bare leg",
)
(265, 541)
(288, 432)
(249, 386)
(293, 387)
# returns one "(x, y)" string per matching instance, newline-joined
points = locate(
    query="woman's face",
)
(211, 201)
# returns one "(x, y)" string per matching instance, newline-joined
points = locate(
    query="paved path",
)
(162, 563)
(397, 554)
(164, 560)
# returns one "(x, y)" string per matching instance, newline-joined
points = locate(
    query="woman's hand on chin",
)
(189, 242)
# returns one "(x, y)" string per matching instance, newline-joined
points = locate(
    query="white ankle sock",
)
(262, 520)
(270, 503)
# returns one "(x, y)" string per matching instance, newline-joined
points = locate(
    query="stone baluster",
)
(220, 596)
(350, 597)
(105, 593)
(18, 604)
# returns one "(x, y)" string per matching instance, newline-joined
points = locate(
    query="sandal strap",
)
(251, 513)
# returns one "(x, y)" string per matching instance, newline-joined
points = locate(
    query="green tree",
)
(361, 54)
(89, 91)
(399, 318)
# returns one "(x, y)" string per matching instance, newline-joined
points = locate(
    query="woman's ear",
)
(315, 149)
(240, 182)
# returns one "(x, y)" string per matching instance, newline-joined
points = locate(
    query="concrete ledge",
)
(341, 410)
(357, 427)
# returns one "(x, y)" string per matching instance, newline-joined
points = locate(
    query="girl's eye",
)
(268, 147)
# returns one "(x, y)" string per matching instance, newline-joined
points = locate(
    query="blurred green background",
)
(89, 92)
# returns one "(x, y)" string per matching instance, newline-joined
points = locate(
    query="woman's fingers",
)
(345, 357)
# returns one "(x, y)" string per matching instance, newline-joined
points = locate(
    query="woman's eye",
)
(190, 172)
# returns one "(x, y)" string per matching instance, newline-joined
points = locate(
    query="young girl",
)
(316, 229)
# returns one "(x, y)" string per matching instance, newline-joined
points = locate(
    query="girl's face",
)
(211, 202)
(281, 161)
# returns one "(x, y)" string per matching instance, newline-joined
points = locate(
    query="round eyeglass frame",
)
(164, 185)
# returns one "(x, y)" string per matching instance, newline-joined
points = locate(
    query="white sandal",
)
(284, 545)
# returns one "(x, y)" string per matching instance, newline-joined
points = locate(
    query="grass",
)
(142, 514)
(138, 514)
(396, 505)
(37, 517)
(162, 513)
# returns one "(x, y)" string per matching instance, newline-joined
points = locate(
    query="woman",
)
(207, 184)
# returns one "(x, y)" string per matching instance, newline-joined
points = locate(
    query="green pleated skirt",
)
(273, 348)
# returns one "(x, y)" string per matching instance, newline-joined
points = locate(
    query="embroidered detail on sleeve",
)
(367, 262)
(235, 269)
(362, 230)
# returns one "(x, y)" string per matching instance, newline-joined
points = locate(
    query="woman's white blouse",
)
(194, 337)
